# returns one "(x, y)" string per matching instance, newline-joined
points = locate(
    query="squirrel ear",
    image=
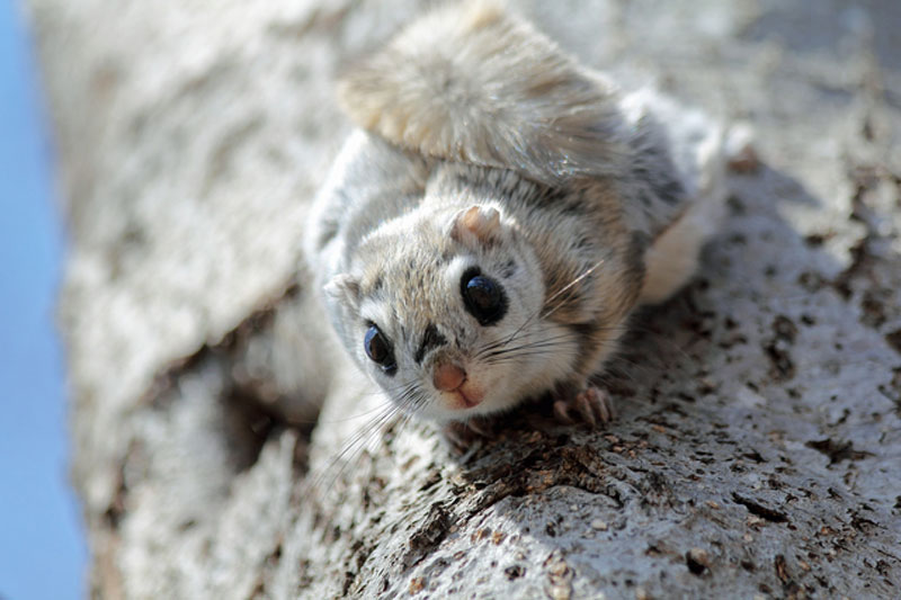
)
(344, 288)
(480, 222)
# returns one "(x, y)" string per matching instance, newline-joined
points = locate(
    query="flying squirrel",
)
(499, 213)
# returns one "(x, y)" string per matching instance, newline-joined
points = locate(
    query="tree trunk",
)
(758, 443)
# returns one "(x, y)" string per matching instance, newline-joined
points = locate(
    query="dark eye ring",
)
(483, 296)
(379, 350)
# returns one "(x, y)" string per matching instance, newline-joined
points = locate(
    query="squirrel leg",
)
(591, 406)
(463, 434)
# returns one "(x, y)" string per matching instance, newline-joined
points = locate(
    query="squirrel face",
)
(442, 307)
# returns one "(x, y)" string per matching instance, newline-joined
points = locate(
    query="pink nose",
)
(448, 377)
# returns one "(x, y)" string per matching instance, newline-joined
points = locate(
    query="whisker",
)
(512, 356)
(569, 286)
(540, 313)
(538, 343)
(408, 401)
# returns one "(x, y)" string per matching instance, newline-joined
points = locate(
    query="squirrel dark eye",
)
(483, 296)
(378, 349)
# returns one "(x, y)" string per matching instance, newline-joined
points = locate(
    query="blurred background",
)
(222, 103)
(42, 550)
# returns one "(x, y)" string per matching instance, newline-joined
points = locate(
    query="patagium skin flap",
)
(487, 231)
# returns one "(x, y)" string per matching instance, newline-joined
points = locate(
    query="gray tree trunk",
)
(758, 448)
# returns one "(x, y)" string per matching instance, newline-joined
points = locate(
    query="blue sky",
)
(42, 550)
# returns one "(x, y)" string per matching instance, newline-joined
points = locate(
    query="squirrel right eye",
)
(379, 350)
(483, 297)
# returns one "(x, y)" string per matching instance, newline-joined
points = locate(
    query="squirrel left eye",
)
(483, 296)
(379, 350)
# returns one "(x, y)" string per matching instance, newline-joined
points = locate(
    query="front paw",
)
(462, 435)
(592, 406)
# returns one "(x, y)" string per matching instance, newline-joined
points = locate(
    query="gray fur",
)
(471, 83)
(573, 182)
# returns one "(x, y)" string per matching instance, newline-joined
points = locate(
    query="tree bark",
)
(758, 443)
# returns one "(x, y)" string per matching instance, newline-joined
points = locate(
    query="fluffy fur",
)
(485, 146)
(471, 84)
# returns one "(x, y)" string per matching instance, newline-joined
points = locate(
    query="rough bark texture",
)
(758, 445)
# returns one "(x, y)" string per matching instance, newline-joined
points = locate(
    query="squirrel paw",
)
(591, 406)
(463, 434)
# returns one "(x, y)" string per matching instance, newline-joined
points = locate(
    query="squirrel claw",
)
(591, 406)
(463, 434)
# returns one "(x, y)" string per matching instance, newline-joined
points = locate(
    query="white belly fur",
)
(673, 257)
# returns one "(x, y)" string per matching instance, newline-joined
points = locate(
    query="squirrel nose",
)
(448, 377)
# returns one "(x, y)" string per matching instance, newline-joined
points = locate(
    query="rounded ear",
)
(477, 223)
(344, 288)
